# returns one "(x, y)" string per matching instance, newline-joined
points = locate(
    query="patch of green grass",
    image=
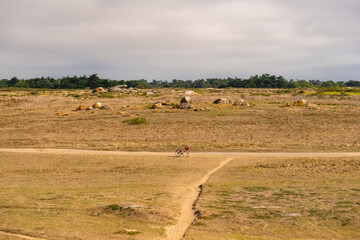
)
(135, 232)
(113, 207)
(197, 223)
(136, 121)
(256, 189)
(345, 222)
(344, 202)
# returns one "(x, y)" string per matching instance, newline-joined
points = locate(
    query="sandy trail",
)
(188, 211)
(19, 236)
(230, 154)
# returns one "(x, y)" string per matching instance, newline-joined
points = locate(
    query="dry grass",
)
(30, 121)
(281, 198)
(84, 196)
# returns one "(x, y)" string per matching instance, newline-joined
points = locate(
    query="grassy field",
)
(28, 119)
(99, 195)
(62, 194)
(94, 196)
(281, 198)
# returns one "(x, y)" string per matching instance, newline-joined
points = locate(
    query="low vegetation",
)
(64, 195)
(281, 198)
(271, 122)
(136, 121)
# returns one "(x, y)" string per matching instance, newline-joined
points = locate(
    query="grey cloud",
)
(167, 39)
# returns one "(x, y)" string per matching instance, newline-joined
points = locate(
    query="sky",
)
(180, 39)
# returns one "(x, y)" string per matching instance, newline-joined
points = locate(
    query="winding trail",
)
(188, 209)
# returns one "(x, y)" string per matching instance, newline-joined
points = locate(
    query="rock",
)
(121, 113)
(221, 101)
(186, 99)
(131, 231)
(189, 92)
(89, 108)
(293, 214)
(302, 102)
(105, 107)
(97, 105)
(241, 102)
(149, 93)
(186, 106)
(157, 105)
(81, 107)
(99, 89)
(118, 88)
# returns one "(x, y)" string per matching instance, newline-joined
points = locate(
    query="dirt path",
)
(188, 209)
(230, 154)
(19, 236)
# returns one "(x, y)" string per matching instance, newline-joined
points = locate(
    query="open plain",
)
(271, 170)
(30, 119)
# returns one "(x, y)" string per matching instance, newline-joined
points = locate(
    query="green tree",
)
(94, 81)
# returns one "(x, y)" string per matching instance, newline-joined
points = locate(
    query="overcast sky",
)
(182, 39)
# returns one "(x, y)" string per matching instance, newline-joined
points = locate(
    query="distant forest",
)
(93, 81)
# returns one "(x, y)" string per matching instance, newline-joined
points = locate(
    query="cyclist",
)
(187, 150)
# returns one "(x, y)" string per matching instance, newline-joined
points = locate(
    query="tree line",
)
(93, 81)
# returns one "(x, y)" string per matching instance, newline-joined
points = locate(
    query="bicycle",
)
(179, 152)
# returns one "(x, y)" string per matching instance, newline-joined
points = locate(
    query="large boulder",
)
(97, 105)
(118, 88)
(186, 99)
(221, 101)
(98, 90)
(105, 107)
(241, 102)
(302, 102)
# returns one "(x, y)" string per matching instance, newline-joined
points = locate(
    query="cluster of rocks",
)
(151, 93)
(302, 103)
(240, 102)
(185, 103)
(123, 89)
(95, 105)
(161, 104)
(118, 88)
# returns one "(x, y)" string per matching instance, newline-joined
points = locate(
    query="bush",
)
(136, 121)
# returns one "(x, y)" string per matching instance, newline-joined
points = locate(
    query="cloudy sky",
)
(182, 39)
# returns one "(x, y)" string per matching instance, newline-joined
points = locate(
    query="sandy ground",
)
(188, 210)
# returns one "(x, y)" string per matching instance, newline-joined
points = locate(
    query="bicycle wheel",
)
(179, 153)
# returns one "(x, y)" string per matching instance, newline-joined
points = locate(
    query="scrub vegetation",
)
(47, 119)
(281, 198)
